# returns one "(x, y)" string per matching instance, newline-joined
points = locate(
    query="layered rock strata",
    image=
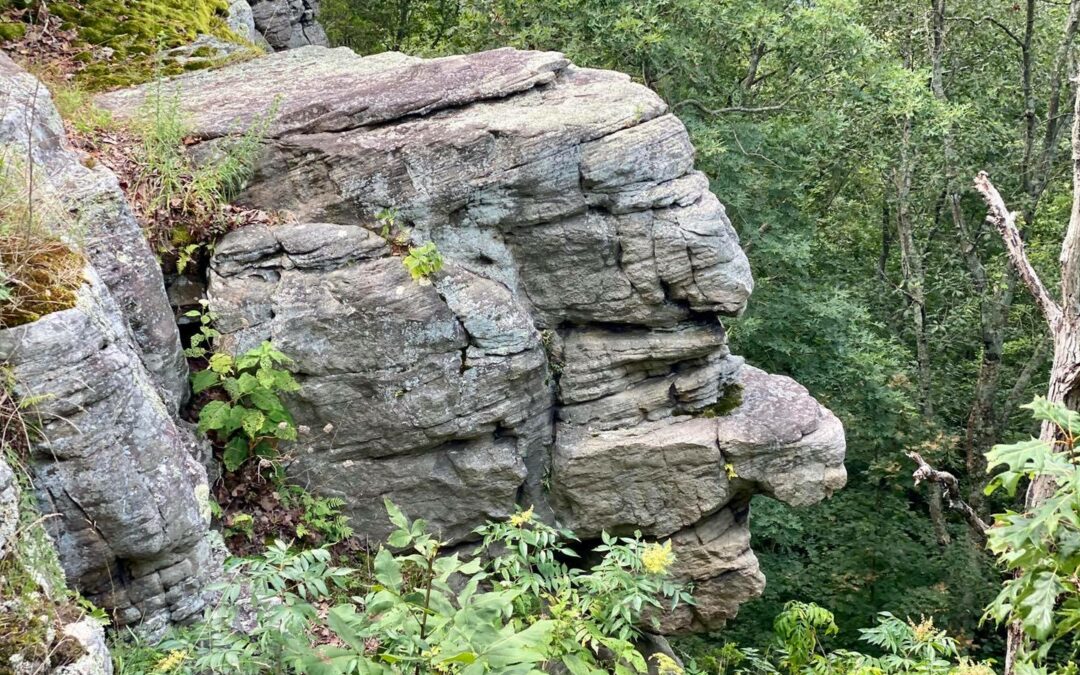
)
(570, 355)
(118, 482)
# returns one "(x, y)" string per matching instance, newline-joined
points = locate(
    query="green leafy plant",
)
(321, 517)
(1040, 547)
(424, 261)
(251, 420)
(427, 611)
(800, 632)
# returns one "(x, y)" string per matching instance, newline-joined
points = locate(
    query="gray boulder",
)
(106, 379)
(102, 223)
(571, 354)
(9, 506)
(288, 24)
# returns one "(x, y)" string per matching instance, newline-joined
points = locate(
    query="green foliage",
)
(424, 261)
(249, 419)
(77, 107)
(1040, 546)
(512, 608)
(183, 200)
(321, 518)
(134, 31)
(799, 647)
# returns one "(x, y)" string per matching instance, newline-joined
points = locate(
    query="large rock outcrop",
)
(569, 356)
(117, 476)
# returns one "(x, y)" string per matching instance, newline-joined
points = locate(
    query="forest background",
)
(843, 136)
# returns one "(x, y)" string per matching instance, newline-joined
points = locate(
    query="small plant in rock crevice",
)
(423, 261)
(184, 201)
(40, 273)
(250, 419)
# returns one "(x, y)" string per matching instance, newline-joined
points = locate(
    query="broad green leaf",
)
(213, 416)
(203, 380)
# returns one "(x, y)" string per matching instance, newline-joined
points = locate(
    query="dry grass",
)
(39, 272)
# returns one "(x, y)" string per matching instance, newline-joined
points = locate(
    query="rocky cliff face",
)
(117, 476)
(283, 24)
(571, 354)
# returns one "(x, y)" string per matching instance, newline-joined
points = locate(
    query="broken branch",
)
(1005, 222)
(951, 489)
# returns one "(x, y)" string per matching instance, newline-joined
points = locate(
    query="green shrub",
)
(250, 419)
(514, 608)
(799, 648)
(1040, 547)
(424, 261)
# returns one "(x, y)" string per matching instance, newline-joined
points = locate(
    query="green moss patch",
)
(114, 43)
(732, 399)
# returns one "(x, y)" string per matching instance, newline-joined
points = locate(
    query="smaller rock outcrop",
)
(102, 222)
(112, 464)
(288, 24)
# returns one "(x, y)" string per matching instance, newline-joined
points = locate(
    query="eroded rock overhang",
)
(570, 356)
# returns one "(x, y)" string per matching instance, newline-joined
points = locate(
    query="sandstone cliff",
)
(571, 355)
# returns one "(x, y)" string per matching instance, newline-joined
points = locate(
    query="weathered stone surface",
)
(111, 463)
(9, 506)
(431, 390)
(288, 24)
(656, 477)
(242, 21)
(91, 637)
(102, 223)
(781, 439)
(714, 555)
(570, 355)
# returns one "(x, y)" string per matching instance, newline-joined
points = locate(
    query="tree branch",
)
(951, 489)
(1005, 222)
(730, 109)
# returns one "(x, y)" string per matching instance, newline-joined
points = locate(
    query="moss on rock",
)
(120, 40)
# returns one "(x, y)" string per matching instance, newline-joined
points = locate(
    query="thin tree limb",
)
(1005, 222)
(951, 489)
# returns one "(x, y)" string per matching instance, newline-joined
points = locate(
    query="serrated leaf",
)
(203, 380)
(221, 363)
(252, 422)
(236, 453)
(213, 416)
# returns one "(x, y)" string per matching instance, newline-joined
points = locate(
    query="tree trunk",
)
(1063, 320)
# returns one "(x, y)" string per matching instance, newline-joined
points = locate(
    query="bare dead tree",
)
(1062, 317)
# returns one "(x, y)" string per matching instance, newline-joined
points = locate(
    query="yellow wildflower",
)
(665, 665)
(966, 667)
(657, 558)
(729, 469)
(171, 661)
(924, 630)
(522, 518)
